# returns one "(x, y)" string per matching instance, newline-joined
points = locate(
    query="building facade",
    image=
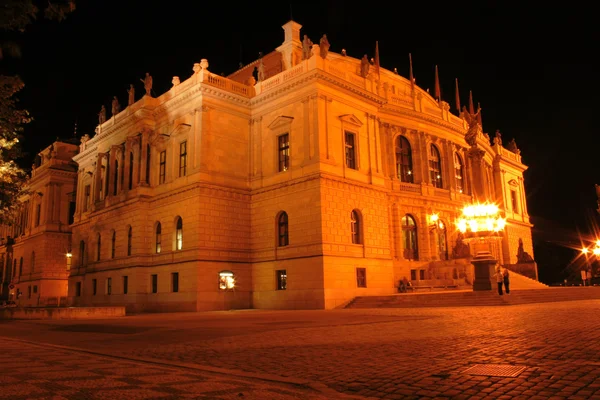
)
(35, 248)
(318, 183)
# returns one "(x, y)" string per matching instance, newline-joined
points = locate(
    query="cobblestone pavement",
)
(43, 372)
(380, 353)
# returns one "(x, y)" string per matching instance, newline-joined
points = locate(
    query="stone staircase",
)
(523, 291)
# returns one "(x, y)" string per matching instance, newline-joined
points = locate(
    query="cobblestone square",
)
(367, 353)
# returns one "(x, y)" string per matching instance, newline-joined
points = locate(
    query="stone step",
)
(471, 298)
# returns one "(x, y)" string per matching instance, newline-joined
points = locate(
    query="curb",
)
(316, 386)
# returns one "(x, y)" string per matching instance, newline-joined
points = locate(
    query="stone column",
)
(136, 161)
(127, 164)
(56, 202)
(98, 177)
(143, 179)
(112, 155)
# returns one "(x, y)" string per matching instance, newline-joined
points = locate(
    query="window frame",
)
(179, 234)
(435, 167)
(175, 282)
(361, 277)
(281, 279)
(154, 283)
(404, 162)
(350, 150)
(183, 158)
(283, 152)
(162, 167)
(356, 227)
(283, 229)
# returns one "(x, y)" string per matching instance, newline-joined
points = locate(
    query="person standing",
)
(506, 279)
(499, 279)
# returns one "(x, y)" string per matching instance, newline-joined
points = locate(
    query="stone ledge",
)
(62, 313)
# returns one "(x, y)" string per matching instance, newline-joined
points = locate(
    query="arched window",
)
(435, 167)
(129, 238)
(113, 244)
(442, 240)
(116, 178)
(32, 261)
(158, 237)
(355, 227)
(179, 234)
(98, 247)
(131, 170)
(21, 266)
(282, 230)
(409, 238)
(82, 253)
(459, 173)
(107, 180)
(404, 167)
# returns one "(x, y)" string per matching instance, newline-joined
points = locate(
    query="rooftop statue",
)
(102, 115)
(512, 146)
(364, 66)
(147, 83)
(306, 48)
(474, 126)
(131, 93)
(324, 46)
(116, 107)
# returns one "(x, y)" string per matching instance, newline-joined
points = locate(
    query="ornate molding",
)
(351, 119)
(282, 120)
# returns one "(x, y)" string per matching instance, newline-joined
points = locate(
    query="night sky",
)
(529, 67)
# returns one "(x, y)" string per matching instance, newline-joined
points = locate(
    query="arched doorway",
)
(409, 238)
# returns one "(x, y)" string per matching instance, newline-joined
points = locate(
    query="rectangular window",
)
(284, 152)
(162, 167)
(361, 277)
(29, 292)
(175, 282)
(78, 289)
(71, 212)
(422, 274)
(125, 284)
(514, 202)
(350, 150)
(86, 200)
(38, 214)
(108, 285)
(154, 283)
(281, 275)
(94, 286)
(34, 289)
(182, 158)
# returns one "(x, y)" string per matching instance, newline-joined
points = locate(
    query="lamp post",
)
(586, 252)
(482, 223)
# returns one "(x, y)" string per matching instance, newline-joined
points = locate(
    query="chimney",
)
(291, 48)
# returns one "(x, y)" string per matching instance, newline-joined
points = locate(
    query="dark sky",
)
(529, 66)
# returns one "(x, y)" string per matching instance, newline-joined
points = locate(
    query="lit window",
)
(179, 234)
(182, 158)
(350, 150)
(435, 167)
(459, 173)
(281, 276)
(158, 238)
(514, 202)
(284, 152)
(404, 167)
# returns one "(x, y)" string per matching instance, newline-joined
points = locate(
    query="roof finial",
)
(471, 106)
(457, 97)
(438, 91)
(410, 76)
(479, 114)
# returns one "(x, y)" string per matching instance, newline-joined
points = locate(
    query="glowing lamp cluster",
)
(595, 250)
(481, 220)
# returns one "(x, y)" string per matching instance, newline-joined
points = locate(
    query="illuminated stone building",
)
(35, 247)
(311, 186)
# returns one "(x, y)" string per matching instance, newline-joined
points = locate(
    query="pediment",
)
(280, 121)
(513, 182)
(181, 129)
(351, 119)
